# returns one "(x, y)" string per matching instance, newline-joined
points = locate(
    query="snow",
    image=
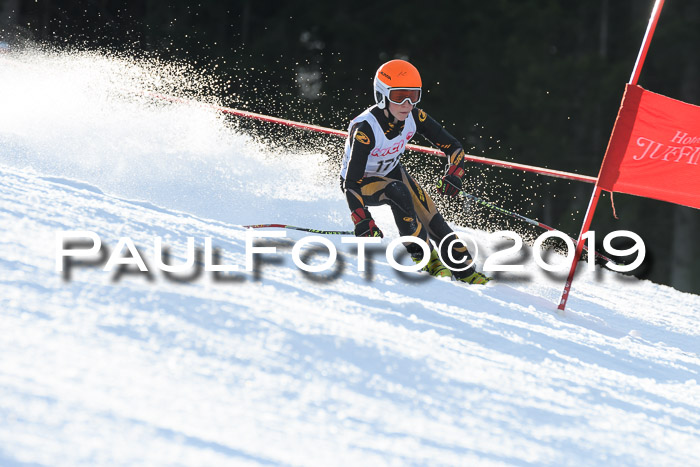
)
(278, 366)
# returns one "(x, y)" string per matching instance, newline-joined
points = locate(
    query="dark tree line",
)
(534, 81)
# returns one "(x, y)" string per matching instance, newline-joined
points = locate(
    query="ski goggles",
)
(401, 95)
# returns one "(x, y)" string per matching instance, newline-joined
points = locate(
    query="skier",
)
(372, 173)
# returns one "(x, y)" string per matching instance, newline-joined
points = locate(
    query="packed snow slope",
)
(277, 366)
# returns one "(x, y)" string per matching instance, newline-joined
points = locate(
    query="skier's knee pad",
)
(399, 195)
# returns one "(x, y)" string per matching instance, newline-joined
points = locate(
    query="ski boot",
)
(434, 267)
(473, 278)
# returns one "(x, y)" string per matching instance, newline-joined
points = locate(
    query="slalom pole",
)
(595, 196)
(344, 134)
(302, 229)
(534, 222)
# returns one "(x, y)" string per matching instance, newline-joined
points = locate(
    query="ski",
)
(302, 229)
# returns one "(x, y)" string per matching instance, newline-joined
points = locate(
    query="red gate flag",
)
(654, 150)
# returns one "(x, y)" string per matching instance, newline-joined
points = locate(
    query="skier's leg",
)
(398, 197)
(393, 191)
(390, 191)
(438, 229)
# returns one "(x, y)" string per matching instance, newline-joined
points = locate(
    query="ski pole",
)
(476, 199)
(303, 229)
(529, 221)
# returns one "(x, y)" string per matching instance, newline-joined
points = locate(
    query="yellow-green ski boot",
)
(474, 278)
(434, 267)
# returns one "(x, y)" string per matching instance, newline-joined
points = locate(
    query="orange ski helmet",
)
(397, 81)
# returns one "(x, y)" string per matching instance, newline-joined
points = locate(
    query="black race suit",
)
(414, 211)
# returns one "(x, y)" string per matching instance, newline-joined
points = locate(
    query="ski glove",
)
(364, 224)
(451, 182)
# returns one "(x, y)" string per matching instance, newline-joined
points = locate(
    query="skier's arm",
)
(362, 143)
(436, 134)
(451, 182)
